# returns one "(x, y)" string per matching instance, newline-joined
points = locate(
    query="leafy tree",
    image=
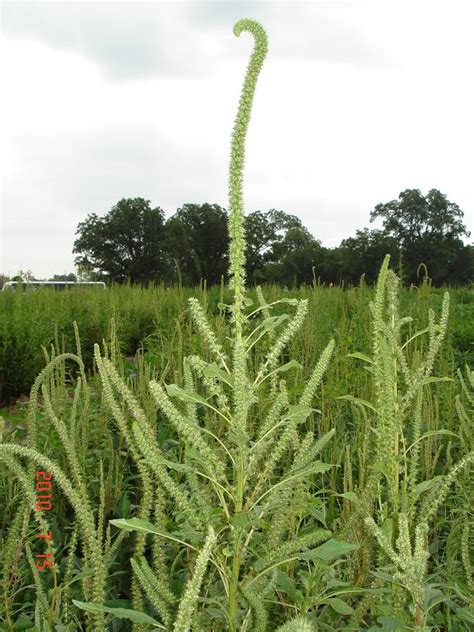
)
(295, 238)
(197, 241)
(298, 265)
(296, 256)
(127, 243)
(462, 270)
(270, 237)
(414, 216)
(261, 235)
(329, 269)
(364, 254)
(428, 229)
(134, 242)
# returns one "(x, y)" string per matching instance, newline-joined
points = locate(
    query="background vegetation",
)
(338, 588)
(159, 315)
(133, 242)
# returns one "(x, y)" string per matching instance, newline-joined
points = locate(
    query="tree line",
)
(135, 242)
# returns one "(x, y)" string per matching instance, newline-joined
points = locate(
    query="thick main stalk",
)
(237, 283)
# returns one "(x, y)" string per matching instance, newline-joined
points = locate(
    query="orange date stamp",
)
(44, 502)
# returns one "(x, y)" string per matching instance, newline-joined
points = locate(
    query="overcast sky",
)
(357, 101)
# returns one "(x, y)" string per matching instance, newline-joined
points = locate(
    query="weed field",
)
(146, 334)
(158, 318)
(238, 459)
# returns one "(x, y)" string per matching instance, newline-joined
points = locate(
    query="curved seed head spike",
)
(236, 216)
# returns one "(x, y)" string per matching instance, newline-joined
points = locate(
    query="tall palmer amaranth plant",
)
(395, 506)
(244, 470)
(224, 498)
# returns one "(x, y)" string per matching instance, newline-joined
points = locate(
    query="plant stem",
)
(234, 583)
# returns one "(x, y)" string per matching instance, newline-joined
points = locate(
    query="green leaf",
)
(292, 364)
(426, 485)
(117, 603)
(330, 550)
(360, 356)
(259, 565)
(387, 528)
(340, 606)
(177, 467)
(213, 371)
(174, 390)
(352, 496)
(23, 624)
(431, 380)
(78, 576)
(386, 577)
(299, 413)
(315, 468)
(381, 467)
(287, 584)
(392, 624)
(358, 401)
(194, 455)
(431, 433)
(119, 613)
(136, 524)
(124, 505)
(272, 322)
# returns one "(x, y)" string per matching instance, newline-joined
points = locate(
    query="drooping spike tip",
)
(253, 27)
